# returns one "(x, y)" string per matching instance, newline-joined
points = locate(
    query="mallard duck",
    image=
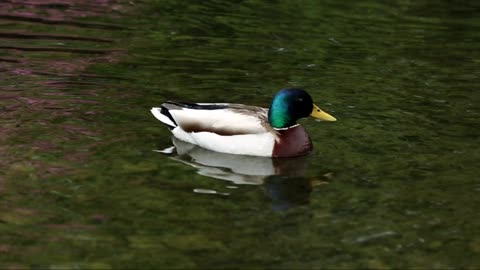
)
(242, 129)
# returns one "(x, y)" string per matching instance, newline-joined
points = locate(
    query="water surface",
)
(392, 184)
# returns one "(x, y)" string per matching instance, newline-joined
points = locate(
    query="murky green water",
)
(393, 184)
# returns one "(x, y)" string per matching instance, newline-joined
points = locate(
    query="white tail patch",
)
(163, 118)
(168, 150)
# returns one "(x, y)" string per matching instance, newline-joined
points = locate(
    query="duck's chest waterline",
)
(293, 142)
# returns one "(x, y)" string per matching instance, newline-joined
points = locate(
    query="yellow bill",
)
(319, 114)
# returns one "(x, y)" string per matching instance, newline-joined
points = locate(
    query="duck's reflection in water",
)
(282, 178)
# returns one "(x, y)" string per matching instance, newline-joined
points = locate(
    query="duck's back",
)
(220, 118)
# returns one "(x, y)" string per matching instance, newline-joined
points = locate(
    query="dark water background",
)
(393, 184)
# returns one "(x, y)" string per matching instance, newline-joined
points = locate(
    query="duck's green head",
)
(291, 104)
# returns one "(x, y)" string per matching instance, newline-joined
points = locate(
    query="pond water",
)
(392, 184)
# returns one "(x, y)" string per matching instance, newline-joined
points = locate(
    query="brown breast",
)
(293, 142)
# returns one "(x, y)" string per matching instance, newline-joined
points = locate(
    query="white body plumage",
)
(225, 130)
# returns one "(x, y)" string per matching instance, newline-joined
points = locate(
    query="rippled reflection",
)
(282, 178)
(241, 170)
